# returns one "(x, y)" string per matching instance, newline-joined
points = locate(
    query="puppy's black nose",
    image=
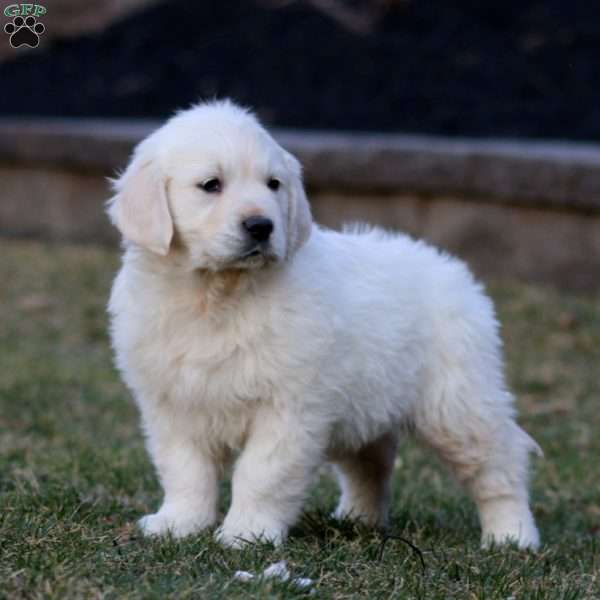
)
(259, 228)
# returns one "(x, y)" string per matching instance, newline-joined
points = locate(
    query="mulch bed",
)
(528, 68)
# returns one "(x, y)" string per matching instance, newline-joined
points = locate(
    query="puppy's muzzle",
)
(258, 228)
(258, 231)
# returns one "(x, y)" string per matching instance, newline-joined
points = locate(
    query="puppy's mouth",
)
(256, 256)
(255, 251)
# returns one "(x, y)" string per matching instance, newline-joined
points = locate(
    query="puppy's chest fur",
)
(171, 349)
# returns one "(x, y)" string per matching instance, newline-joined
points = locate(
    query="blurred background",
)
(471, 124)
(524, 68)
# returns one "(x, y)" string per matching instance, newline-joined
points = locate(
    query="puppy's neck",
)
(221, 289)
(214, 293)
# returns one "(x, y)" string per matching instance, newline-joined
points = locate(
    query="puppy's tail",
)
(532, 446)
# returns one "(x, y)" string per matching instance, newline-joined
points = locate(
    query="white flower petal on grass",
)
(302, 582)
(278, 569)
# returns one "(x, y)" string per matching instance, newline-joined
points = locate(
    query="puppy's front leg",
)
(189, 477)
(271, 479)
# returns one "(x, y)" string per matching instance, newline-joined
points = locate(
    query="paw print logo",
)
(24, 32)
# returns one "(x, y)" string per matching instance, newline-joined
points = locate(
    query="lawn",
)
(74, 476)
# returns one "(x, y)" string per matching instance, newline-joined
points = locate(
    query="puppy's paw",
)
(166, 522)
(370, 516)
(506, 520)
(236, 533)
(519, 530)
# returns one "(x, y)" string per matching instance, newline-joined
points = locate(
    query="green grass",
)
(74, 476)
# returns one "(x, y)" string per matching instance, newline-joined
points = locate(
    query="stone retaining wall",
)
(512, 209)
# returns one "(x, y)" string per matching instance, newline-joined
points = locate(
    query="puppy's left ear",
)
(299, 218)
(140, 208)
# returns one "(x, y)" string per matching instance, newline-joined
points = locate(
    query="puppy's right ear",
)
(299, 218)
(140, 209)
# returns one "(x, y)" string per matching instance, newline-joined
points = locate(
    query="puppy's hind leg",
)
(500, 490)
(488, 453)
(365, 481)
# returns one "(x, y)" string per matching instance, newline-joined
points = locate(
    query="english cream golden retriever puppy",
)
(240, 326)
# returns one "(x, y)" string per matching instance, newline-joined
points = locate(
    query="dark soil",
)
(528, 68)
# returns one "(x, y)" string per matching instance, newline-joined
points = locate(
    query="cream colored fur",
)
(321, 347)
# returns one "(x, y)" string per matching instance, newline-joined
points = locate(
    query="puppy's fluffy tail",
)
(532, 446)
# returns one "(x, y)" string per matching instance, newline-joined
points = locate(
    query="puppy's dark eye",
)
(273, 184)
(211, 186)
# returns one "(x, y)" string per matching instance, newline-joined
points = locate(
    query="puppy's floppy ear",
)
(299, 218)
(140, 209)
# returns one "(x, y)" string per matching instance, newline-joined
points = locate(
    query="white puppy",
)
(240, 326)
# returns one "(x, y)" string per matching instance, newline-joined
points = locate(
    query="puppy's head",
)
(215, 180)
